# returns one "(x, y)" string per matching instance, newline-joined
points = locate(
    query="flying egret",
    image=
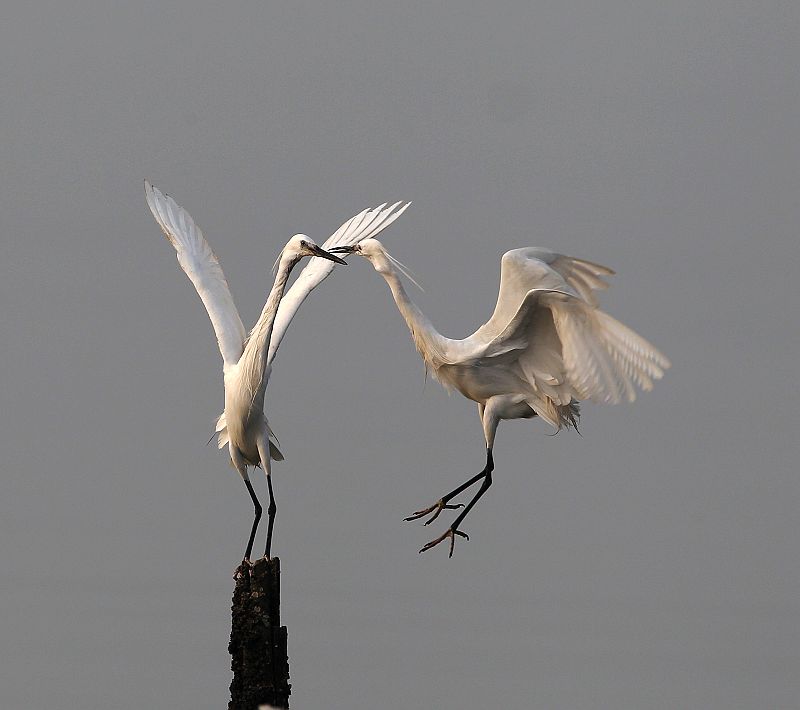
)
(546, 347)
(247, 359)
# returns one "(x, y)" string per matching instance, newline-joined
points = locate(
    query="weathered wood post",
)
(259, 658)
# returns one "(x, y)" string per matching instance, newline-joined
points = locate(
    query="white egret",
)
(546, 347)
(247, 359)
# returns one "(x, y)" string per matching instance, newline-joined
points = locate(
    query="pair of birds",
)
(546, 347)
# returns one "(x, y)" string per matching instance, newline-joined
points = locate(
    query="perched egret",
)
(546, 347)
(247, 358)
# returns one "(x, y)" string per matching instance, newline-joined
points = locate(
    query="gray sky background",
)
(650, 564)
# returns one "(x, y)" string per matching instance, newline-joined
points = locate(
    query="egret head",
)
(382, 261)
(300, 245)
(370, 249)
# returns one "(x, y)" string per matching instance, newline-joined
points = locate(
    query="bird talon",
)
(449, 533)
(446, 506)
(436, 509)
(417, 514)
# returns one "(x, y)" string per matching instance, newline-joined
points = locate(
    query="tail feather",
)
(274, 452)
(558, 416)
(223, 439)
(222, 432)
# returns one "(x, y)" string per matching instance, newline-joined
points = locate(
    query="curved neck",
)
(254, 358)
(431, 344)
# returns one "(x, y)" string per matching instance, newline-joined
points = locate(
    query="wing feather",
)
(203, 269)
(584, 276)
(364, 225)
(522, 270)
(568, 349)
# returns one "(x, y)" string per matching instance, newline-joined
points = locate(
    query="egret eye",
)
(304, 244)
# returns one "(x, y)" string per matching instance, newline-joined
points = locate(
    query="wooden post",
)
(259, 659)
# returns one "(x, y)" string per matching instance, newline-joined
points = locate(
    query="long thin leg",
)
(453, 530)
(487, 481)
(490, 417)
(271, 513)
(442, 503)
(266, 463)
(256, 518)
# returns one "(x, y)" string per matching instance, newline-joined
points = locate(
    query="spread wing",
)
(364, 225)
(522, 270)
(202, 267)
(564, 345)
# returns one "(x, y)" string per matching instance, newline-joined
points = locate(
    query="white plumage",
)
(247, 358)
(547, 322)
(546, 347)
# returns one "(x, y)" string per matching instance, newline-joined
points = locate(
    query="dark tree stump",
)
(259, 659)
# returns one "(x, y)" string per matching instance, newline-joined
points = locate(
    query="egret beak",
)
(344, 250)
(319, 251)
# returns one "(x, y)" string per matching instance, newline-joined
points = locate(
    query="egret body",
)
(546, 347)
(247, 358)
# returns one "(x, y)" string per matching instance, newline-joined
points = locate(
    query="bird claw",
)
(451, 533)
(436, 508)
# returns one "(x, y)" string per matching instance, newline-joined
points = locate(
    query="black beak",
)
(343, 250)
(319, 251)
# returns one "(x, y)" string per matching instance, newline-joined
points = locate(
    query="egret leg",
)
(256, 518)
(271, 513)
(453, 530)
(266, 463)
(489, 424)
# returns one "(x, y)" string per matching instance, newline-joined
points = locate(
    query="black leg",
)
(256, 518)
(487, 481)
(271, 513)
(442, 503)
(453, 530)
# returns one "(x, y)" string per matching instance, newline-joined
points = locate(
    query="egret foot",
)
(444, 502)
(436, 508)
(451, 533)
